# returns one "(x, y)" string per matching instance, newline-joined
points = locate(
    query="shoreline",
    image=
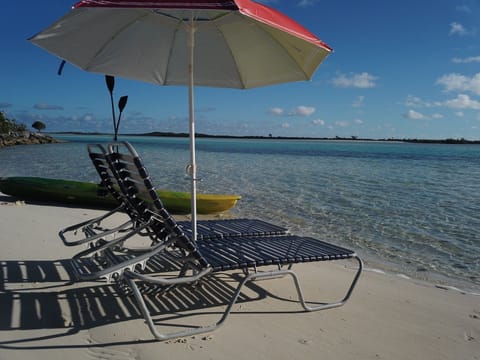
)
(452, 141)
(44, 314)
(425, 282)
(372, 264)
(435, 279)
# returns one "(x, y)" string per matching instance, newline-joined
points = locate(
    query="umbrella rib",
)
(165, 76)
(230, 51)
(120, 30)
(261, 26)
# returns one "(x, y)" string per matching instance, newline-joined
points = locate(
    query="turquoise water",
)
(412, 209)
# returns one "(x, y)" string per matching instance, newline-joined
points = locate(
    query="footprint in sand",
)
(106, 353)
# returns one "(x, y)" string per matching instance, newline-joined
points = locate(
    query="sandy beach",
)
(44, 315)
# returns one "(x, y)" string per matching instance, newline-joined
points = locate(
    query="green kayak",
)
(93, 195)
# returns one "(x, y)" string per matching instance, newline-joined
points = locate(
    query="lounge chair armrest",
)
(85, 225)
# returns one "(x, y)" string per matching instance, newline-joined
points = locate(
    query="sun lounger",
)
(140, 212)
(257, 257)
(93, 229)
(143, 221)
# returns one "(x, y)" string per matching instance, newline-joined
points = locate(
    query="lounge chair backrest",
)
(100, 159)
(138, 186)
(137, 211)
(98, 156)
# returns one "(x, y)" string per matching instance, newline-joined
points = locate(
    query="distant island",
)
(270, 137)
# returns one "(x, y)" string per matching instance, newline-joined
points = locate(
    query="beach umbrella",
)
(219, 43)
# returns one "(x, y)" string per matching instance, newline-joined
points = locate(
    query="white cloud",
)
(463, 101)
(437, 116)
(298, 111)
(414, 101)
(467, 60)
(363, 80)
(342, 123)
(205, 109)
(285, 125)
(276, 111)
(303, 111)
(460, 113)
(458, 82)
(358, 121)
(88, 117)
(460, 30)
(463, 8)
(414, 115)
(305, 3)
(417, 102)
(318, 122)
(5, 105)
(457, 29)
(358, 102)
(44, 106)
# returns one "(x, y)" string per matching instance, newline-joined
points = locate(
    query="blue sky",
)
(400, 69)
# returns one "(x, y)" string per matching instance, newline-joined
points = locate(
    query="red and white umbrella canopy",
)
(238, 43)
(220, 43)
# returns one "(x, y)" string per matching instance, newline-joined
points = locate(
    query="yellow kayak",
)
(93, 195)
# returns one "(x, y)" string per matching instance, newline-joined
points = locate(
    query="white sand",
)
(43, 316)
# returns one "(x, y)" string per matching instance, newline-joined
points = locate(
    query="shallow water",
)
(407, 208)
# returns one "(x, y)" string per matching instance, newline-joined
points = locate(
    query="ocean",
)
(408, 209)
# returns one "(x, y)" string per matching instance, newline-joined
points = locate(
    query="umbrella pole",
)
(192, 167)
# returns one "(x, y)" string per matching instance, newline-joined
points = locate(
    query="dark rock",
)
(26, 138)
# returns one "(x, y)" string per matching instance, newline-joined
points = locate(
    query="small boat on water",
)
(94, 195)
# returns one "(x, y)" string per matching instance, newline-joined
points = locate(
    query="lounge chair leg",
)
(282, 273)
(332, 304)
(193, 331)
(250, 277)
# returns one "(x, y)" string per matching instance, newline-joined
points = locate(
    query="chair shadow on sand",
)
(43, 294)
